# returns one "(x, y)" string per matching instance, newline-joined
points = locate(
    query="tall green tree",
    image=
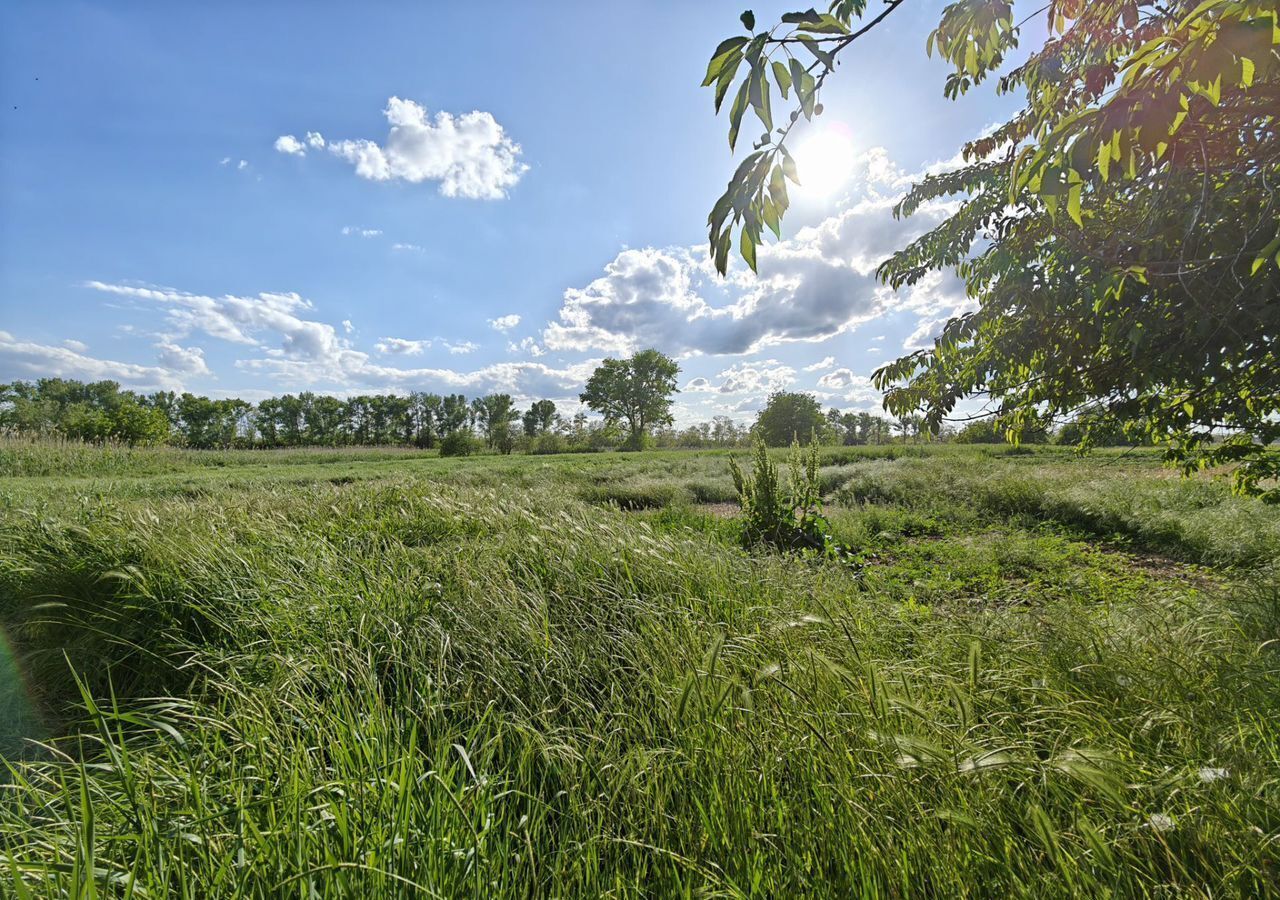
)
(539, 417)
(495, 415)
(790, 416)
(1121, 232)
(635, 392)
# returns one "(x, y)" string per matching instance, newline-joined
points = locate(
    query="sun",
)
(825, 159)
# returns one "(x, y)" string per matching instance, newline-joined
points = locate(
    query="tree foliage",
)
(789, 416)
(635, 392)
(539, 418)
(1120, 232)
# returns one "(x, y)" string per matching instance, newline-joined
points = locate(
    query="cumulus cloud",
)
(760, 377)
(825, 363)
(271, 321)
(469, 155)
(505, 323)
(28, 359)
(847, 385)
(526, 345)
(289, 144)
(814, 286)
(315, 140)
(361, 232)
(185, 360)
(347, 326)
(292, 351)
(392, 346)
(76, 346)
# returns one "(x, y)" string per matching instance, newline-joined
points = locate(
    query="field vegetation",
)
(343, 673)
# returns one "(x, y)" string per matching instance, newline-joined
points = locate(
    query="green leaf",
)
(771, 217)
(1073, 204)
(778, 190)
(799, 18)
(783, 77)
(735, 112)
(789, 167)
(821, 55)
(1265, 254)
(726, 79)
(760, 98)
(748, 20)
(748, 249)
(728, 49)
(824, 24)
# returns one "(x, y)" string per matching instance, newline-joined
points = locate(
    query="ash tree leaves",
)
(793, 59)
(1120, 233)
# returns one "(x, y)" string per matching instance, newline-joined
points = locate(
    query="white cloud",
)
(241, 320)
(243, 164)
(289, 144)
(361, 232)
(409, 248)
(225, 161)
(295, 352)
(186, 360)
(760, 377)
(839, 379)
(347, 327)
(817, 285)
(845, 384)
(469, 155)
(27, 359)
(505, 323)
(315, 140)
(526, 345)
(392, 346)
(75, 346)
(811, 287)
(825, 363)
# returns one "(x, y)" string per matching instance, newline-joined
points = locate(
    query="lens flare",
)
(19, 722)
(826, 159)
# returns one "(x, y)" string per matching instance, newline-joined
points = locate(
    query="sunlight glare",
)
(825, 159)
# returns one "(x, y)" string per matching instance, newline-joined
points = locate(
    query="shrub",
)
(458, 443)
(547, 443)
(784, 517)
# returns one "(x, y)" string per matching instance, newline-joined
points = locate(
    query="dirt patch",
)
(1157, 566)
(719, 510)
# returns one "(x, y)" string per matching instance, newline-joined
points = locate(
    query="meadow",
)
(373, 673)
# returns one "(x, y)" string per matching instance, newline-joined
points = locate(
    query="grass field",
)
(367, 674)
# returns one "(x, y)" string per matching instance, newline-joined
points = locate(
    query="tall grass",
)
(464, 680)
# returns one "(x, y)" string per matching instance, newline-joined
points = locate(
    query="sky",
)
(248, 199)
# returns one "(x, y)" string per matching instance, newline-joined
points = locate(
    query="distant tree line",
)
(101, 411)
(455, 425)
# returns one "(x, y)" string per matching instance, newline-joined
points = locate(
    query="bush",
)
(458, 443)
(547, 443)
(784, 518)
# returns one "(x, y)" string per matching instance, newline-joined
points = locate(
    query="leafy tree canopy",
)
(539, 418)
(635, 392)
(790, 416)
(1120, 232)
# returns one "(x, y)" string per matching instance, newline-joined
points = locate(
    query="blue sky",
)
(167, 221)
